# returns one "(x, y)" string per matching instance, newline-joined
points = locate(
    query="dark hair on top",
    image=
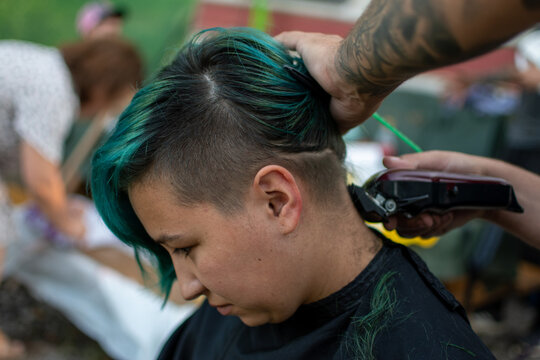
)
(224, 108)
(105, 64)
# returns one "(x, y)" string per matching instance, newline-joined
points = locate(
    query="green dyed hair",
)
(224, 108)
(381, 315)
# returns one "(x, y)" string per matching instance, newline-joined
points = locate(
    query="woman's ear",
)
(278, 190)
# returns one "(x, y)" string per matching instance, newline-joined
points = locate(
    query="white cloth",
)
(37, 105)
(97, 233)
(125, 318)
(529, 47)
(363, 160)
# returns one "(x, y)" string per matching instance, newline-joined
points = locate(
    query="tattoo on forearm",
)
(393, 40)
(531, 4)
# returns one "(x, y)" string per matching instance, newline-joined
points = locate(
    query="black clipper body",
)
(410, 192)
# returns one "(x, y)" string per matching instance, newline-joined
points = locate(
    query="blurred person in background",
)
(395, 40)
(42, 91)
(100, 19)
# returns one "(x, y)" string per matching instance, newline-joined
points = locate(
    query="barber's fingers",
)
(414, 226)
(290, 38)
(391, 224)
(428, 160)
(427, 225)
(297, 40)
(394, 162)
(422, 225)
(444, 224)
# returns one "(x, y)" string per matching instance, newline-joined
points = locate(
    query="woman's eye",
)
(183, 250)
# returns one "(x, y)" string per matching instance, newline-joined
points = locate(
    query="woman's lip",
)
(224, 309)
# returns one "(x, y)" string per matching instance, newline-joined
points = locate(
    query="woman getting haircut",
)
(227, 169)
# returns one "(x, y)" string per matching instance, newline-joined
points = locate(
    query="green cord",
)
(398, 133)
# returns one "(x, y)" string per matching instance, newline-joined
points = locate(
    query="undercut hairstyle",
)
(224, 108)
(107, 65)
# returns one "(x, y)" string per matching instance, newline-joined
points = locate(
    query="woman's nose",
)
(190, 286)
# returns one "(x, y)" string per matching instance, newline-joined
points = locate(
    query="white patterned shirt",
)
(37, 104)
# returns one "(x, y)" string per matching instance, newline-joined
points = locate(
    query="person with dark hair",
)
(394, 40)
(102, 72)
(42, 90)
(227, 170)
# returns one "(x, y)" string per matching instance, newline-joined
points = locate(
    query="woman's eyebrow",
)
(163, 239)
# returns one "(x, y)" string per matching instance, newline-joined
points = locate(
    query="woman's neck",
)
(344, 246)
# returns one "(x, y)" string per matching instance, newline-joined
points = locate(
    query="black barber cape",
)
(426, 322)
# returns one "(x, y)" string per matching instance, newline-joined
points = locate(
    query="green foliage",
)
(46, 22)
(155, 26)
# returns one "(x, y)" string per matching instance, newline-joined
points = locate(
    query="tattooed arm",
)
(394, 40)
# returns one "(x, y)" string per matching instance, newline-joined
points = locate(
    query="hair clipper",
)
(411, 192)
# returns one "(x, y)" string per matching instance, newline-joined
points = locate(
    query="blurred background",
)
(153, 27)
(472, 107)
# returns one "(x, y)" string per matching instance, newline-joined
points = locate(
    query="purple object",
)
(35, 218)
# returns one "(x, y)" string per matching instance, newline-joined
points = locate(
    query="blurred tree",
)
(158, 27)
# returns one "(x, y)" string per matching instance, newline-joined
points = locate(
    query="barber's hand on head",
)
(348, 107)
(430, 224)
